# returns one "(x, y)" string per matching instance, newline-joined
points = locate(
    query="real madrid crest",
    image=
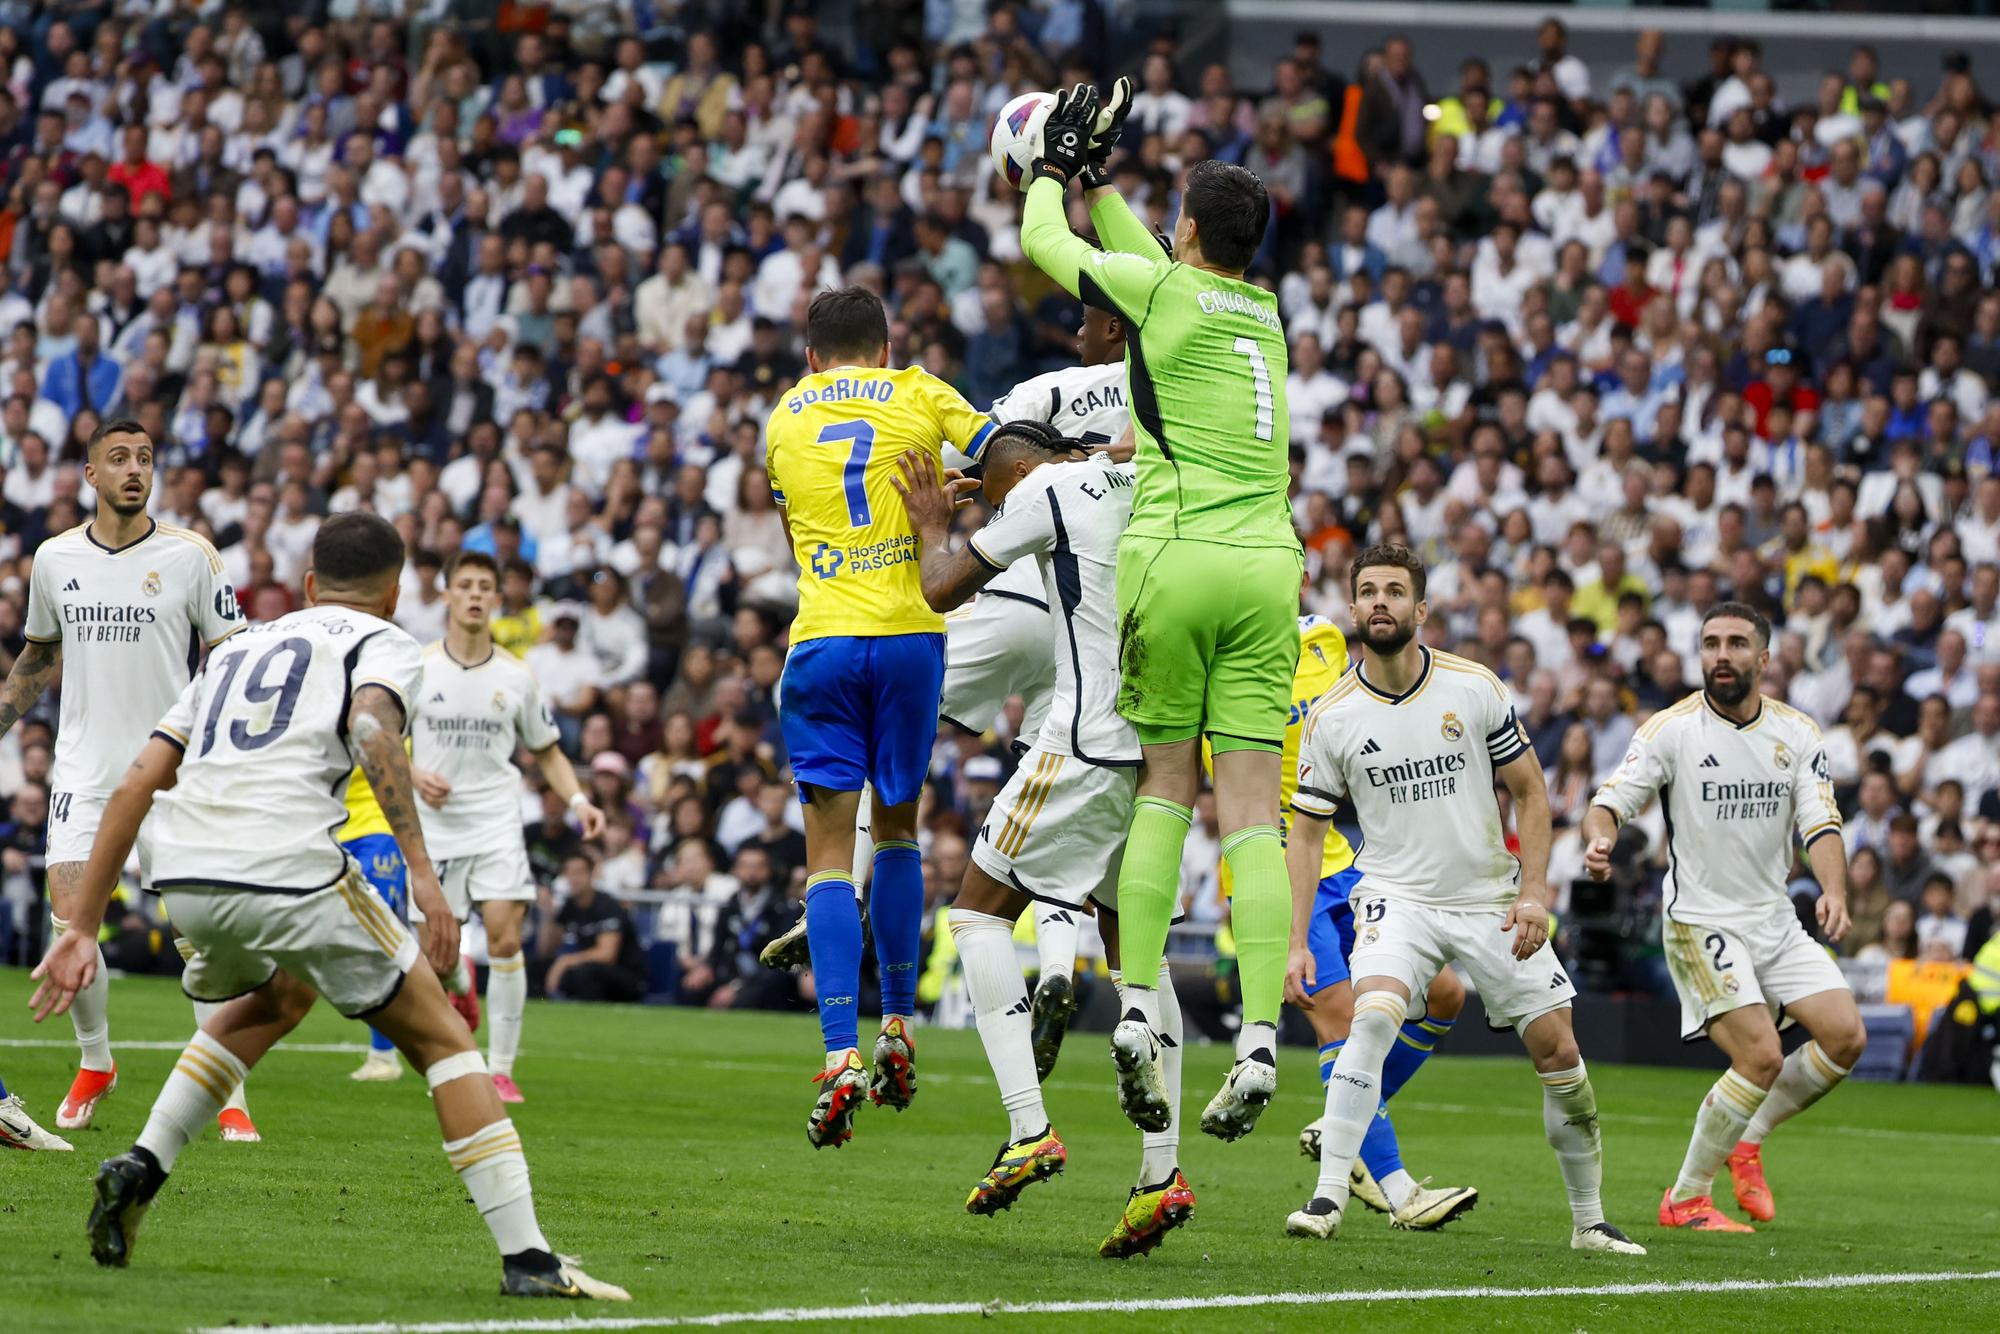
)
(151, 587)
(1781, 755)
(499, 701)
(1452, 728)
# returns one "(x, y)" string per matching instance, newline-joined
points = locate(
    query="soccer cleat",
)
(1746, 1174)
(237, 1127)
(1150, 1213)
(1050, 1011)
(1428, 1210)
(1309, 1140)
(519, 1278)
(1362, 1186)
(379, 1067)
(1016, 1167)
(1142, 1090)
(1232, 1113)
(1606, 1240)
(466, 1002)
(19, 1131)
(895, 1081)
(507, 1090)
(1697, 1215)
(123, 1196)
(789, 953)
(842, 1083)
(1319, 1220)
(89, 1088)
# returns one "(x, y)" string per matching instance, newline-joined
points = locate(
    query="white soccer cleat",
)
(1309, 1140)
(1428, 1210)
(1232, 1113)
(19, 1131)
(379, 1067)
(1605, 1239)
(1362, 1186)
(1319, 1220)
(568, 1280)
(1142, 1089)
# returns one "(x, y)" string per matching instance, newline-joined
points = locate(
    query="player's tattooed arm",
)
(375, 721)
(37, 666)
(950, 577)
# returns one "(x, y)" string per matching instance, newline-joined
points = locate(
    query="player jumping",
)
(859, 698)
(1208, 571)
(1415, 741)
(1743, 773)
(478, 703)
(248, 768)
(120, 609)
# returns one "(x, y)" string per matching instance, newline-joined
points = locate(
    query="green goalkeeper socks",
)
(1149, 884)
(1260, 913)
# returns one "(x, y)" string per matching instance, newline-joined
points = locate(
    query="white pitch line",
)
(794, 1315)
(312, 1048)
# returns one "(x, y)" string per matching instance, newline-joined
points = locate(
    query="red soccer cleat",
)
(1746, 1173)
(88, 1089)
(236, 1126)
(507, 1089)
(1697, 1215)
(467, 1002)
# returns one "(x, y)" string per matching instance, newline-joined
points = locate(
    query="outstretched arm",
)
(375, 721)
(1119, 228)
(39, 663)
(950, 577)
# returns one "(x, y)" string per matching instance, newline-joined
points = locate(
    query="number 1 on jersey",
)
(1261, 373)
(853, 477)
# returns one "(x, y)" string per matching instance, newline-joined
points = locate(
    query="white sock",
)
(1055, 939)
(1569, 1117)
(1252, 1038)
(1717, 1126)
(1808, 1076)
(1353, 1094)
(202, 1010)
(1000, 1008)
(1146, 1000)
(204, 1077)
(495, 1172)
(90, 1012)
(506, 1000)
(1160, 1150)
(459, 980)
(1397, 1187)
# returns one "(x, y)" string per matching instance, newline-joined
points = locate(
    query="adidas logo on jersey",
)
(1710, 762)
(72, 587)
(1369, 747)
(438, 698)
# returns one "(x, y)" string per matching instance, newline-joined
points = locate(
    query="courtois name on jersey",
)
(470, 719)
(1085, 403)
(1735, 795)
(132, 623)
(1069, 517)
(1418, 768)
(260, 796)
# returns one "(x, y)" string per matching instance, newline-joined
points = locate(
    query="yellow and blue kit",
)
(367, 838)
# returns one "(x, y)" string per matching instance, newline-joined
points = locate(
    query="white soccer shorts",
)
(996, 647)
(1772, 962)
(1057, 830)
(342, 940)
(73, 821)
(1410, 942)
(497, 876)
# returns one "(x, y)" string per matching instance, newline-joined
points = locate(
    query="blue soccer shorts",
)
(862, 709)
(381, 863)
(1330, 934)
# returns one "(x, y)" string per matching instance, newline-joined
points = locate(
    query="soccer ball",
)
(1017, 136)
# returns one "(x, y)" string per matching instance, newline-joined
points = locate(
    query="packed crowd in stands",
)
(1604, 346)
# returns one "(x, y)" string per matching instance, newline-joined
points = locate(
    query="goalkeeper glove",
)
(1066, 134)
(1104, 134)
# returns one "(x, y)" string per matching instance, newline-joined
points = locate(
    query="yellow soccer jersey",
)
(831, 448)
(364, 813)
(1322, 661)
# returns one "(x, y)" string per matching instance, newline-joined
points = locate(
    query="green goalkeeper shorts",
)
(1208, 639)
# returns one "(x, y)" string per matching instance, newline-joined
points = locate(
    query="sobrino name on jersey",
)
(829, 560)
(105, 622)
(875, 391)
(1419, 780)
(1746, 801)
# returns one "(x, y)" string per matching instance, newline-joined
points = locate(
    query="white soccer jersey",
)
(1069, 517)
(470, 719)
(132, 624)
(262, 787)
(1734, 796)
(1083, 402)
(1418, 768)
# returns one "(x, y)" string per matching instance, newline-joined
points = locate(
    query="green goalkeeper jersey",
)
(1205, 365)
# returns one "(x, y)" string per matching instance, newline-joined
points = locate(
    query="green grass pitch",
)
(668, 1150)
